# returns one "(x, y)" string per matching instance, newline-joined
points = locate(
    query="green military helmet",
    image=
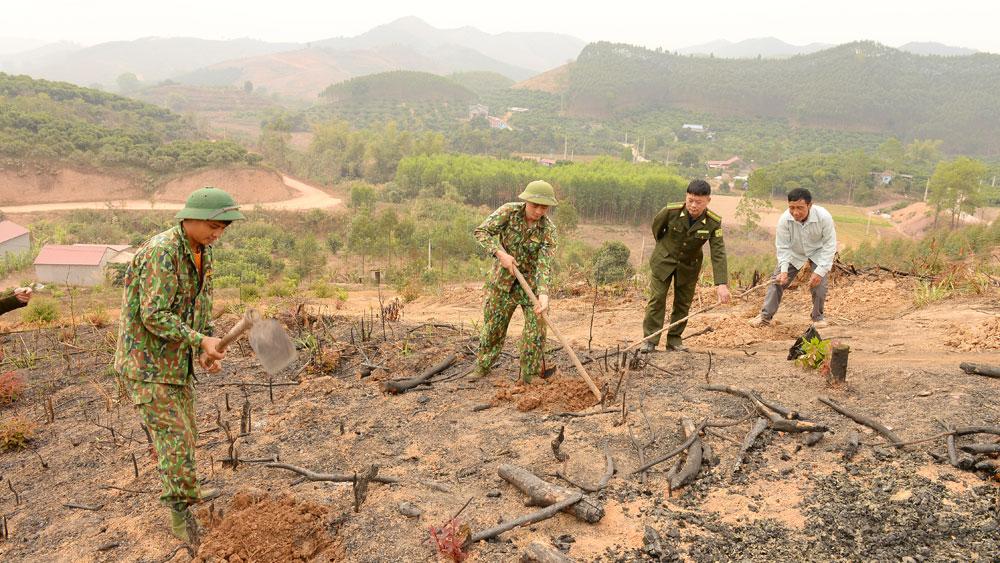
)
(210, 204)
(539, 192)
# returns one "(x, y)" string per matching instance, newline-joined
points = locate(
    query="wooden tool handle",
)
(235, 332)
(569, 349)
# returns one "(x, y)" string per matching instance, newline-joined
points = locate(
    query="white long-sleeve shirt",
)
(815, 239)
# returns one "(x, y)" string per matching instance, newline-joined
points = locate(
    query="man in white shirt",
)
(805, 234)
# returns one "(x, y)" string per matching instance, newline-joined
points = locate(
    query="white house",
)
(13, 238)
(81, 265)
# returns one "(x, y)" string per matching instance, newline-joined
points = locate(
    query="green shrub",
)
(41, 310)
(611, 263)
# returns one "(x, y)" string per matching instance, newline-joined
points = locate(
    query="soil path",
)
(309, 197)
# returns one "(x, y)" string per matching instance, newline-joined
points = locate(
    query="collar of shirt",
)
(523, 218)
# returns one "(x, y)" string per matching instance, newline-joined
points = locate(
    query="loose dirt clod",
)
(259, 527)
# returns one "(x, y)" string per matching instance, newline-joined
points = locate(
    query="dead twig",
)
(534, 517)
(557, 443)
(864, 420)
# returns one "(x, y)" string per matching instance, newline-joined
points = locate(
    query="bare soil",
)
(789, 501)
(247, 185)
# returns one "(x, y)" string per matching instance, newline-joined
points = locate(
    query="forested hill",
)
(57, 121)
(399, 86)
(861, 85)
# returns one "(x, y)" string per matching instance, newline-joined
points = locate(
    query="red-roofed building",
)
(13, 238)
(81, 265)
(723, 164)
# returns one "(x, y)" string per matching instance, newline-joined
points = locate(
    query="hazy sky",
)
(663, 23)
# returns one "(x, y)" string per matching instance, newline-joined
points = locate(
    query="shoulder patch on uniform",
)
(714, 216)
(677, 205)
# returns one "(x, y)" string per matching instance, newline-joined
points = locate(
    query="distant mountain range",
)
(773, 48)
(299, 69)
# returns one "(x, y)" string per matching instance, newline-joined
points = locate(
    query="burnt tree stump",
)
(838, 364)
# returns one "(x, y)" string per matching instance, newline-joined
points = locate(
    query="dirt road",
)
(309, 197)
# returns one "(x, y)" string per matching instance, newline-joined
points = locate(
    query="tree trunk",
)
(542, 493)
(838, 364)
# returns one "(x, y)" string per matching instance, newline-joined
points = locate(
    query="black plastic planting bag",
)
(796, 350)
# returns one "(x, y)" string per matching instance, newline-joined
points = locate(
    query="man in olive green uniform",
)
(681, 230)
(166, 311)
(517, 234)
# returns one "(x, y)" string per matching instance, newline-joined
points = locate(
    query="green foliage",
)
(747, 211)
(862, 85)
(606, 189)
(307, 258)
(933, 253)
(830, 177)
(47, 120)
(41, 310)
(481, 82)
(815, 353)
(566, 219)
(955, 187)
(363, 196)
(17, 261)
(128, 83)
(398, 85)
(611, 263)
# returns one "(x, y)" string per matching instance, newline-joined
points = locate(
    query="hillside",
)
(766, 47)
(481, 82)
(150, 59)
(304, 73)
(56, 121)
(532, 51)
(400, 85)
(860, 86)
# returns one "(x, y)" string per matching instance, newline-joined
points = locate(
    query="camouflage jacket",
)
(9, 302)
(166, 310)
(532, 247)
(679, 244)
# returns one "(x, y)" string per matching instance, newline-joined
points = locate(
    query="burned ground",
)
(445, 442)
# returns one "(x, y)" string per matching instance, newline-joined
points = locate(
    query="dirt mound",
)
(558, 393)
(863, 298)
(736, 332)
(247, 185)
(913, 219)
(984, 336)
(260, 527)
(30, 184)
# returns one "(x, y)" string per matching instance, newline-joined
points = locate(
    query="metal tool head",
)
(272, 345)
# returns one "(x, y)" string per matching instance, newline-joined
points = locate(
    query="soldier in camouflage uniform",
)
(166, 311)
(517, 234)
(14, 299)
(681, 230)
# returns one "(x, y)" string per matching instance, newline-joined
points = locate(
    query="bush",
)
(611, 263)
(11, 387)
(16, 432)
(249, 293)
(321, 289)
(40, 310)
(98, 316)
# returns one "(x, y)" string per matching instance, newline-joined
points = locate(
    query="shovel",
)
(569, 349)
(269, 340)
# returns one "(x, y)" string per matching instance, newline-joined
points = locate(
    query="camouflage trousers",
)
(498, 307)
(168, 412)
